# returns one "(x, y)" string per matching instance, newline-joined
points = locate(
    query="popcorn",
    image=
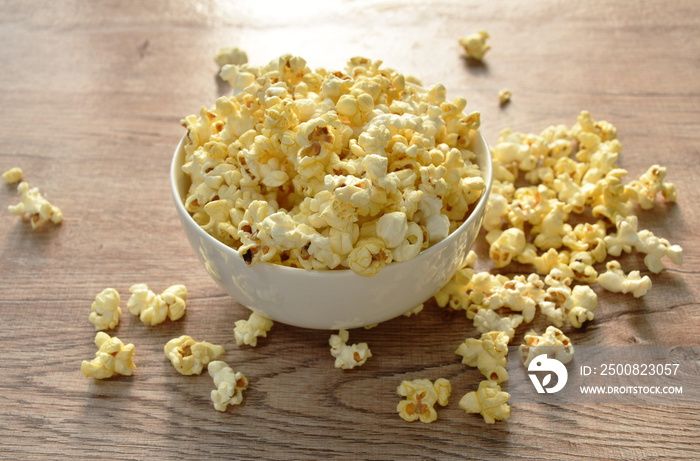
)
(650, 184)
(229, 385)
(13, 175)
(616, 281)
(504, 96)
(112, 357)
(230, 55)
(105, 310)
(153, 309)
(305, 168)
(552, 342)
(475, 44)
(487, 320)
(655, 249)
(415, 311)
(248, 331)
(508, 244)
(584, 300)
(421, 395)
(348, 357)
(35, 207)
(489, 401)
(489, 354)
(188, 356)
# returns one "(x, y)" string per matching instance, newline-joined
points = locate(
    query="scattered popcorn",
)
(487, 320)
(13, 175)
(112, 357)
(320, 170)
(35, 207)
(248, 331)
(188, 356)
(584, 300)
(508, 244)
(475, 44)
(421, 395)
(616, 281)
(153, 309)
(105, 310)
(231, 55)
(348, 357)
(489, 354)
(489, 401)
(650, 184)
(552, 342)
(504, 96)
(229, 385)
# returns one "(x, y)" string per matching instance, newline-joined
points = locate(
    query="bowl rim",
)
(476, 213)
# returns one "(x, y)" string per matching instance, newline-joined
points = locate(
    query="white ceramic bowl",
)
(332, 299)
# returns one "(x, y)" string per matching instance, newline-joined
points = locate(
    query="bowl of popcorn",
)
(331, 199)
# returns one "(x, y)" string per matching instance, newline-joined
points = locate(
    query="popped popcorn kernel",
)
(504, 96)
(552, 342)
(230, 55)
(229, 385)
(105, 310)
(13, 175)
(34, 207)
(153, 309)
(615, 280)
(188, 356)
(421, 395)
(489, 354)
(489, 401)
(487, 320)
(112, 357)
(248, 331)
(475, 45)
(348, 357)
(650, 184)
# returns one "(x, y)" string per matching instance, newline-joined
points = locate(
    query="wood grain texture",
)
(92, 94)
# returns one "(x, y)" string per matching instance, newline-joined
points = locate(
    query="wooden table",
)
(92, 94)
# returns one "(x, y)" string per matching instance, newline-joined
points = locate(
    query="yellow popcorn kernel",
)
(188, 356)
(153, 309)
(626, 238)
(489, 401)
(392, 228)
(507, 245)
(552, 227)
(231, 55)
(552, 342)
(369, 256)
(489, 354)
(35, 207)
(475, 45)
(520, 295)
(105, 310)
(421, 395)
(650, 184)
(584, 300)
(112, 357)
(487, 320)
(348, 357)
(504, 96)
(581, 265)
(229, 385)
(248, 331)
(616, 281)
(13, 175)
(556, 304)
(655, 249)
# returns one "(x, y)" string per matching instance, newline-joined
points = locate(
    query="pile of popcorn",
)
(324, 169)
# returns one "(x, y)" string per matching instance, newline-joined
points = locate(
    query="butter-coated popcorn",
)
(507, 245)
(475, 45)
(153, 309)
(13, 175)
(248, 331)
(189, 357)
(614, 279)
(421, 395)
(487, 320)
(348, 357)
(307, 168)
(552, 342)
(105, 311)
(229, 385)
(489, 354)
(650, 184)
(489, 401)
(112, 357)
(231, 55)
(35, 207)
